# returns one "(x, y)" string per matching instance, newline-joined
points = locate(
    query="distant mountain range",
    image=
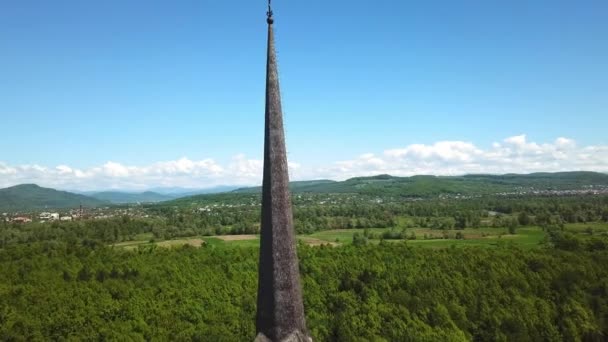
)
(180, 192)
(153, 195)
(118, 197)
(34, 197)
(31, 196)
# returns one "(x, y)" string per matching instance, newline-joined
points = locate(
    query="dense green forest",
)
(389, 292)
(71, 280)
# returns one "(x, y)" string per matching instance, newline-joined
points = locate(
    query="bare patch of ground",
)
(129, 243)
(317, 242)
(236, 237)
(173, 243)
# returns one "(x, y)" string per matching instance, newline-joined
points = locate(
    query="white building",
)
(49, 216)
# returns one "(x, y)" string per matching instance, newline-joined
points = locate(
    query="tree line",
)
(342, 212)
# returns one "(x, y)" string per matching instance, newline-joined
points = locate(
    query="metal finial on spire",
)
(269, 18)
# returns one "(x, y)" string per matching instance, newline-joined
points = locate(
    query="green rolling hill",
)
(297, 186)
(32, 196)
(421, 186)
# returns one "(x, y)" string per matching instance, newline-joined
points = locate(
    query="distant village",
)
(587, 190)
(74, 214)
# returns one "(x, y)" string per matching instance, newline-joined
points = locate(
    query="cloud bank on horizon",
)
(513, 155)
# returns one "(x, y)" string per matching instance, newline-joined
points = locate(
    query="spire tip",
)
(269, 18)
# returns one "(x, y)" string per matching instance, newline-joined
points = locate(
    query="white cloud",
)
(442, 150)
(519, 140)
(513, 154)
(565, 143)
(115, 170)
(64, 169)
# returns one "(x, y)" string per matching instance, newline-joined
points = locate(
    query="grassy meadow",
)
(524, 237)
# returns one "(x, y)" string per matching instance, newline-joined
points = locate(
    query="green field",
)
(596, 228)
(526, 237)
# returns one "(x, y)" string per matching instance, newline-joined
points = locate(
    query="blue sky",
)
(146, 83)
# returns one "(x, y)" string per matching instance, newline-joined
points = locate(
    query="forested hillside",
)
(31, 196)
(295, 186)
(422, 186)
